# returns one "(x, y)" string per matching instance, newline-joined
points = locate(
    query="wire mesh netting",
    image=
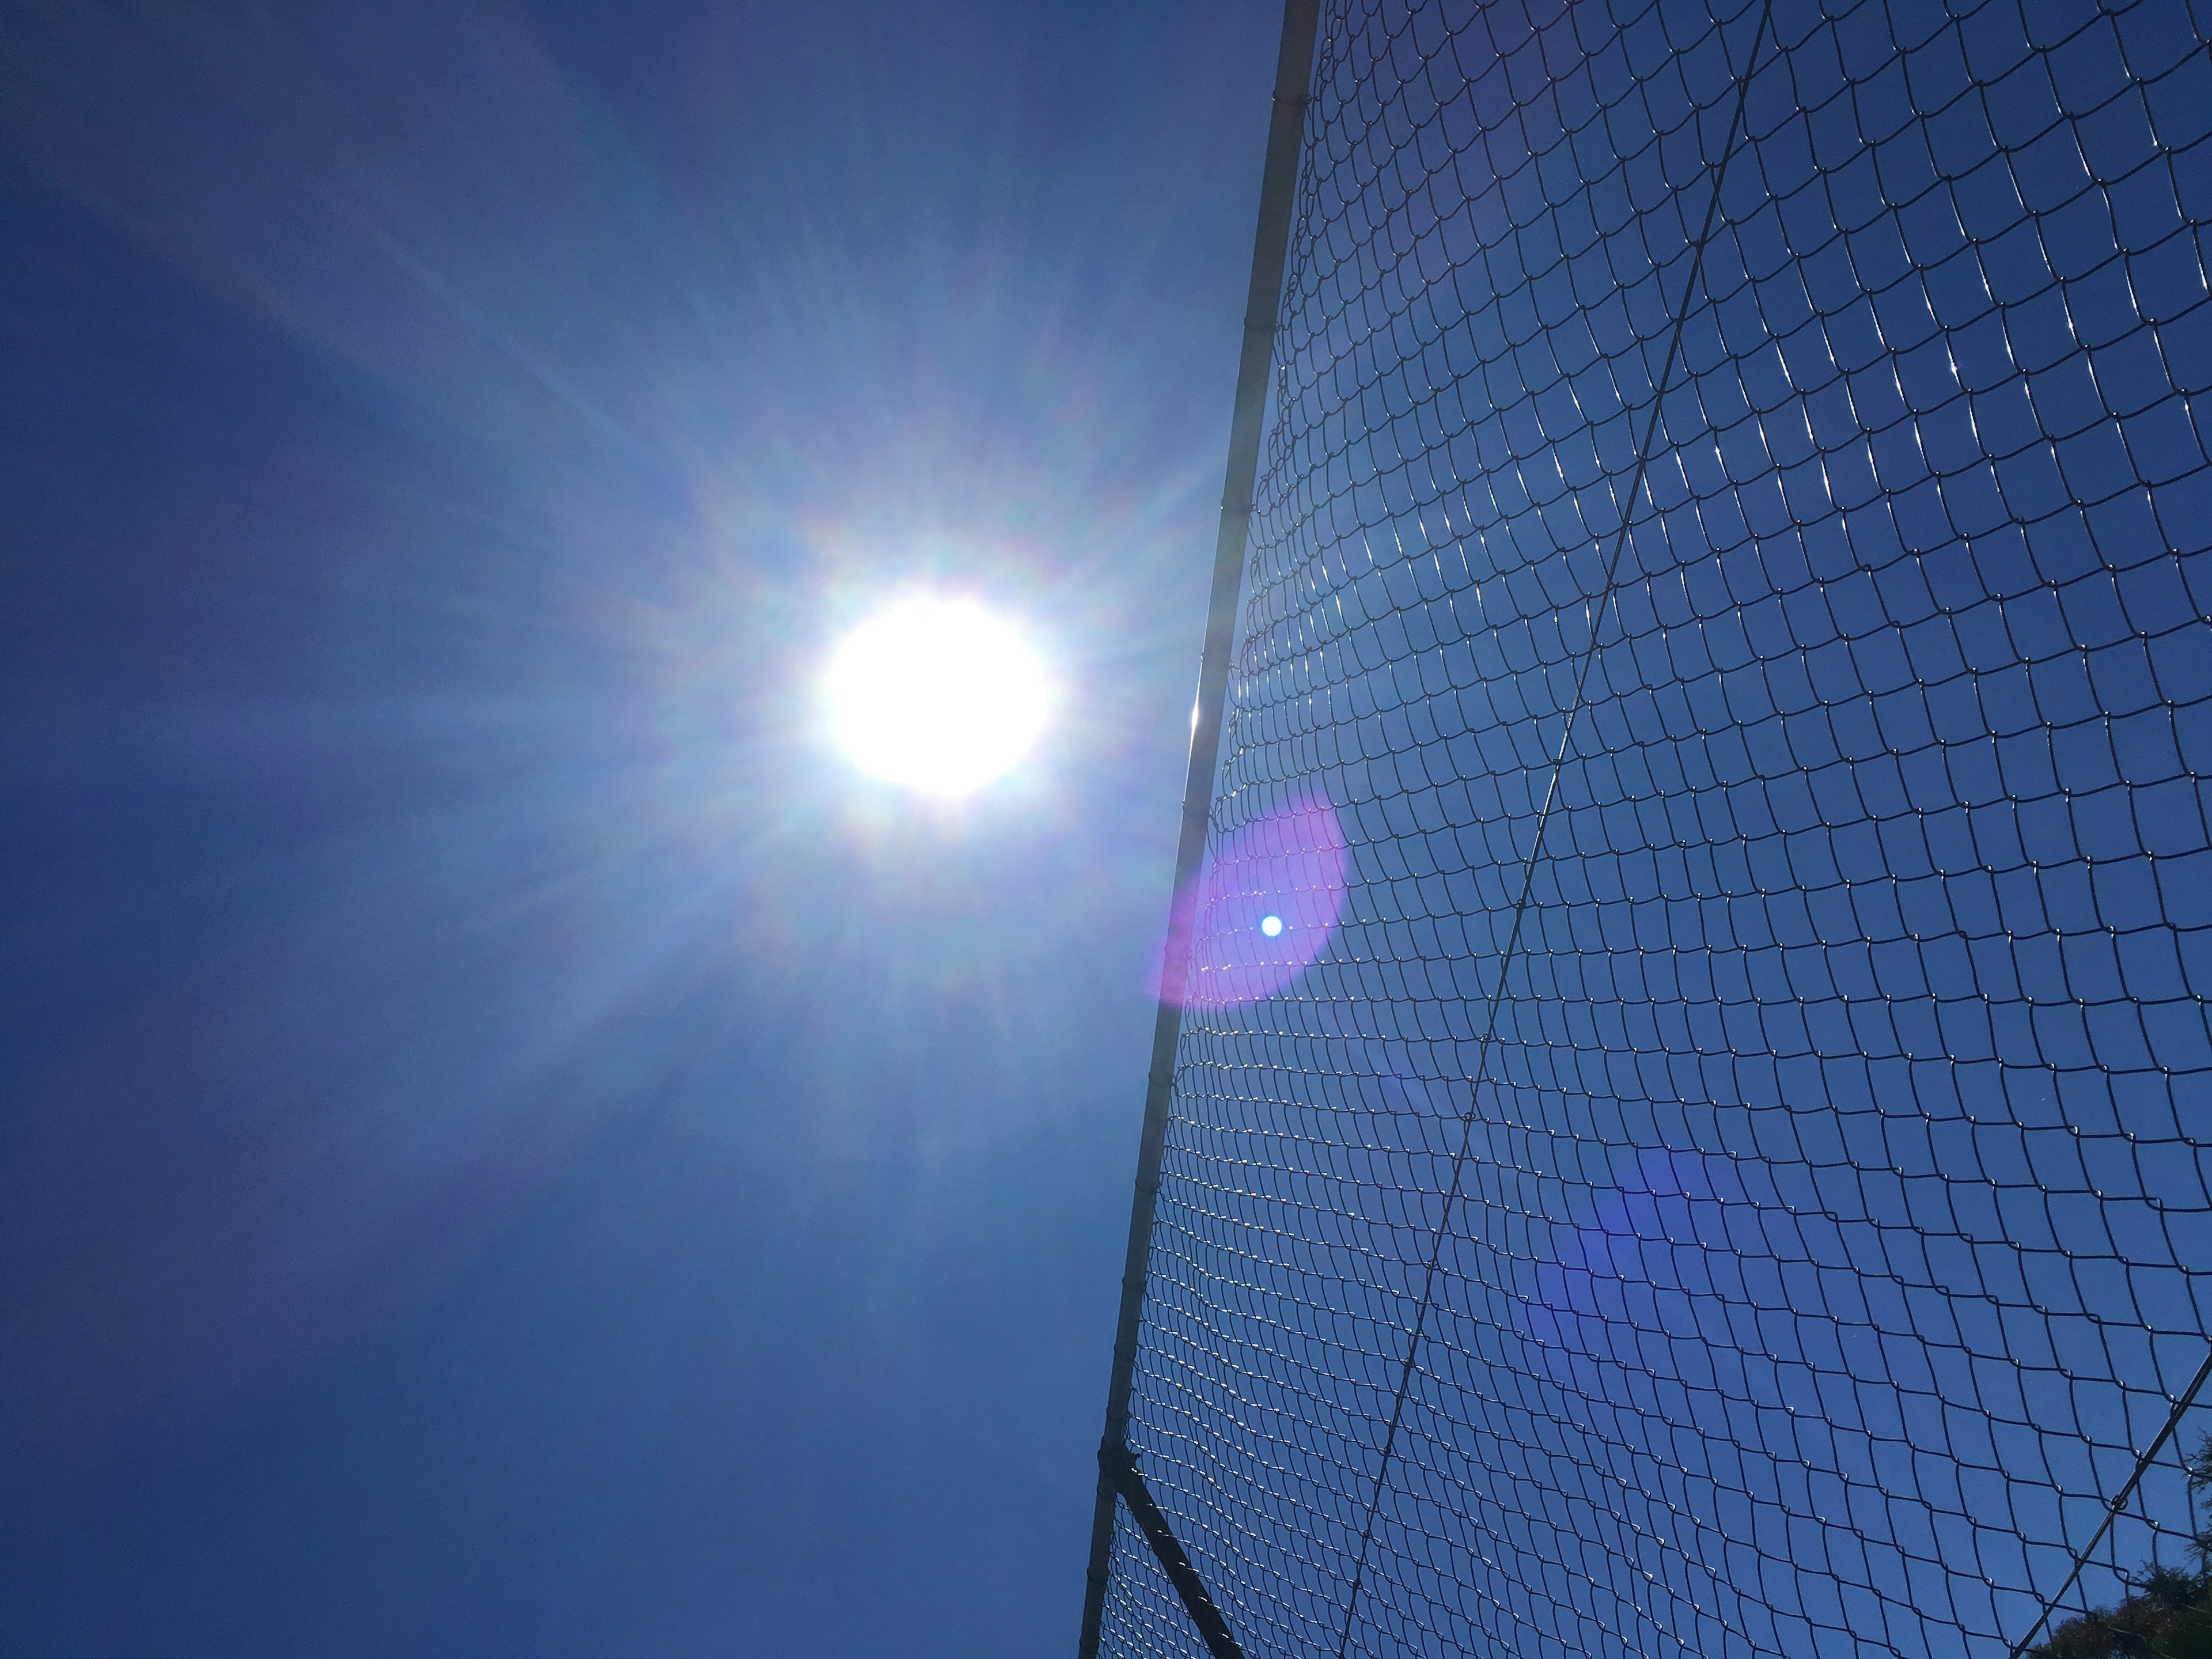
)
(1690, 1133)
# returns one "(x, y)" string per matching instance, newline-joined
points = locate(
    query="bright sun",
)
(937, 694)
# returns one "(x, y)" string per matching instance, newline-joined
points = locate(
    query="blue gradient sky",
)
(507, 1146)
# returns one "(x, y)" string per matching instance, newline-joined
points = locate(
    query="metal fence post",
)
(1270, 247)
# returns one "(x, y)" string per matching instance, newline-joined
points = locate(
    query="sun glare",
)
(937, 694)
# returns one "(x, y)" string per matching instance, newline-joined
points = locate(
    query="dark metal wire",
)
(1715, 1156)
(2181, 1405)
(1597, 609)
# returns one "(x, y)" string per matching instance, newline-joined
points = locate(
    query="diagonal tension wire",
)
(1599, 603)
(2181, 1405)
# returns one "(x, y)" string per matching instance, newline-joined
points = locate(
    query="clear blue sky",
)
(506, 1147)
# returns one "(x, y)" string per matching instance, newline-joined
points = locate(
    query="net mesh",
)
(1689, 1135)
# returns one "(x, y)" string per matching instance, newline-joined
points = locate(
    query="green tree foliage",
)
(2167, 1614)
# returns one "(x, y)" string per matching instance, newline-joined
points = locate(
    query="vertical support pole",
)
(1270, 249)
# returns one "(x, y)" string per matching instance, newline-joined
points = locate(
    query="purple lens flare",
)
(1263, 909)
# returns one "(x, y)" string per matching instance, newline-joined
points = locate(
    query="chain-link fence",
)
(1690, 1125)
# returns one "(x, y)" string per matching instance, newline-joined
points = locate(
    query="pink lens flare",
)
(1263, 909)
